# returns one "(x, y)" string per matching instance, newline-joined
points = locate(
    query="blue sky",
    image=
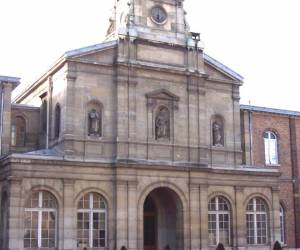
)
(257, 38)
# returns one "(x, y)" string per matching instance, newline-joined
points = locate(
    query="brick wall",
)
(287, 128)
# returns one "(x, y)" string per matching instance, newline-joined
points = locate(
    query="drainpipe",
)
(251, 137)
(1, 121)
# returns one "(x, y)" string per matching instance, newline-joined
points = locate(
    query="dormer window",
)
(271, 149)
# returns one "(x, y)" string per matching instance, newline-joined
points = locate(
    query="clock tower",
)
(156, 20)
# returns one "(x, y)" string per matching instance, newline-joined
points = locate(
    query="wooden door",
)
(150, 225)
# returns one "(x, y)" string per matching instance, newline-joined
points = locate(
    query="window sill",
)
(43, 248)
(258, 245)
(272, 165)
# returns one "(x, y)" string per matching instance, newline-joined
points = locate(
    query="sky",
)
(259, 39)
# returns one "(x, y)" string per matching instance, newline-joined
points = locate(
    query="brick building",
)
(284, 126)
(140, 143)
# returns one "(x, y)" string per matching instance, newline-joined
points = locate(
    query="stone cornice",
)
(140, 164)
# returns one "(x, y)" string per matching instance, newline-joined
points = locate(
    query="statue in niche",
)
(217, 134)
(94, 123)
(162, 124)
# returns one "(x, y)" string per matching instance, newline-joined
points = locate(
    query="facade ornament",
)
(162, 124)
(217, 134)
(94, 123)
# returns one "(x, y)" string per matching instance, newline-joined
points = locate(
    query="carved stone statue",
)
(94, 123)
(217, 134)
(162, 124)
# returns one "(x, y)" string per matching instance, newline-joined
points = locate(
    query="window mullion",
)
(255, 221)
(40, 228)
(40, 219)
(217, 227)
(217, 220)
(91, 219)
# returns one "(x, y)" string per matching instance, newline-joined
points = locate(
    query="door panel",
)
(149, 231)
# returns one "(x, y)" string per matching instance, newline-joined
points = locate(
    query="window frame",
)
(91, 211)
(267, 150)
(40, 209)
(16, 131)
(255, 214)
(57, 121)
(217, 214)
(282, 224)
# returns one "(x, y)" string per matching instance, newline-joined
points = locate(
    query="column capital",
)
(275, 188)
(68, 182)
(239, 188)
(204, 186)
(14, 179)
(132, 184)
(194, 186)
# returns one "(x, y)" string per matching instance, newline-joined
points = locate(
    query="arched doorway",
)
(163, 220)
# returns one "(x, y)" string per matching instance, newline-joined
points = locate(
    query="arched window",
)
(44, 116)
(257, 221)
(162, 123)
(219, 221)
(282, 224)
(18, 132)
(40, 225)
(57, 121)
(91, 221)
(94, 119)
(271, 151)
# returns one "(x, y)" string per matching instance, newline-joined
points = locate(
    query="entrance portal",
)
(163, 220)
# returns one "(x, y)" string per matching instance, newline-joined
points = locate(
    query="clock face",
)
(158, 14)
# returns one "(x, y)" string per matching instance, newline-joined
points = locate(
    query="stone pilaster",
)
(6, 119)
(193, 118)
(240, 227)
(274, 216)
(236, 125)
(71, 108)
(204, 215)
(122, 113)
(132, 216)
(121, 211)
(69, 216)
(15, 235)
(195, 216)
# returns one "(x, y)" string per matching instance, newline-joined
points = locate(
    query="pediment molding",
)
(162, 94)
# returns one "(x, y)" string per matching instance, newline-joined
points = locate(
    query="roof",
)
(46, 152)
(9, 79)
(106, 45)
(223, 67)
(89, 49)
(23, 106)
(270, 110)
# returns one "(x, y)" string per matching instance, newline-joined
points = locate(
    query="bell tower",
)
(156, 20)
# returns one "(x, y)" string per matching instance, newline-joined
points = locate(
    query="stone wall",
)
(125, 189)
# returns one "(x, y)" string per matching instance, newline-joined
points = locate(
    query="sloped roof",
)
(222, 67)
(89, 49)
(270, 110)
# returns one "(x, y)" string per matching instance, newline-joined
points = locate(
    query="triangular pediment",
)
(162, 94)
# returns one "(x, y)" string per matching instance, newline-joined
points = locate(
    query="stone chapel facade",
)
(136, 143)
